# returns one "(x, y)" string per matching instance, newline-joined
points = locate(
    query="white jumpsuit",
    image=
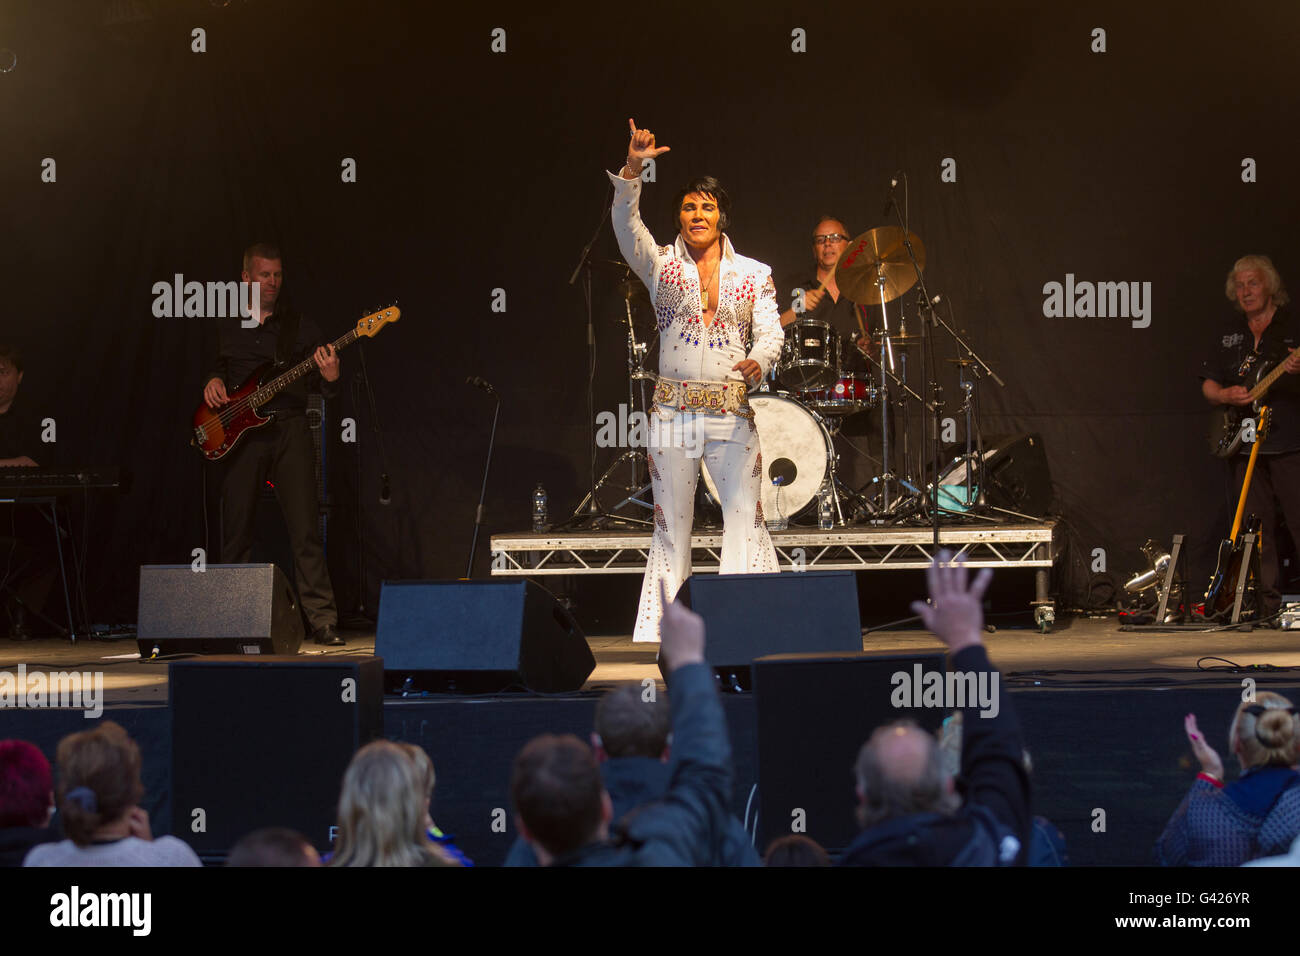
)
(691, 351)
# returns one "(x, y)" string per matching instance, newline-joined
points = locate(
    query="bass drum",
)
(797, 453)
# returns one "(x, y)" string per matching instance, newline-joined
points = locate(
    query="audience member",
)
(273, 846)
(26, 800)
(99, 797)
(1046, 841)
(564, 811)
(1256, 815)
(631, 746)
(796, 850)
(912, 811)
(424, 770)
(384, 811)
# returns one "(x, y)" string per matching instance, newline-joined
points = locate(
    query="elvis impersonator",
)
(707, 300)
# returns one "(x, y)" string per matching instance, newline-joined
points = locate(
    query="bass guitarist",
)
(281, 450)
(1256, 342)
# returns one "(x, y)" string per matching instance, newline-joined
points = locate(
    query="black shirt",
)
(243, 350)
(20, 434)
(842, 316)
(1234, 360)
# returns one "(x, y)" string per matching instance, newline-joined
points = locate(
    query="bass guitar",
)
(218, 430)
(1221, 594)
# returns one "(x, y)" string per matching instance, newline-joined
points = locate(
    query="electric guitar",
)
(1221, 594)
(1226, 427)
(217, 430)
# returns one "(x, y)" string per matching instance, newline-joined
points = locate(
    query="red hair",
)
(26, 785)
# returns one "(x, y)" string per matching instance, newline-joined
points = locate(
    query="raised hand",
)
(681, 633)
(1209, 759)
(955, 613)
(642, 146)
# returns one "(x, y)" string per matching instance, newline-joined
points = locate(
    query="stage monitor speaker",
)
(1014, 476)
(223, 609)
(815, 711)
(264, 742)
(753, 615)
(479, 637)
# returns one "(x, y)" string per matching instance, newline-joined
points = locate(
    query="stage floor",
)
(1079, 652)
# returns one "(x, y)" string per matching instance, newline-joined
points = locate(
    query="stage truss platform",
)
(862, 548)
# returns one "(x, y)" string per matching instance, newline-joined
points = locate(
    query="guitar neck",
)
(282, 381)
(1267, 381)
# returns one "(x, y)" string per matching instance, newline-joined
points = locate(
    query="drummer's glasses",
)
(831, 237)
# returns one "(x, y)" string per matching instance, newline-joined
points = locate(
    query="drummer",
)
(830, 238)
(857, 439)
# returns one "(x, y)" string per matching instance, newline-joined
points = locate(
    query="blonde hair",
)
(1272, 279)
(383, 807)
(99, 779)
(1266, 732)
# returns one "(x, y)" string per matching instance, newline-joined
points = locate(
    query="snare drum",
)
(810, 357)
(854, 392)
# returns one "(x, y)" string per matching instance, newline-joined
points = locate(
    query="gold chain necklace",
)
(704, 286)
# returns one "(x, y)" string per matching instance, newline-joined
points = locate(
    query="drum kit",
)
(801, 410)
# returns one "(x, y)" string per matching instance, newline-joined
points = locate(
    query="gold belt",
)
(714, 398)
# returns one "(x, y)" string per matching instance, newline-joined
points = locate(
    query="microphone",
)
(889, 199)
(481, 383)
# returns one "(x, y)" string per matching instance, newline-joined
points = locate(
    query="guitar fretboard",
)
(1267, 381)
(278, 384)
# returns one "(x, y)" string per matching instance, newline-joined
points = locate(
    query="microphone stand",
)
(592, 509)
(926, 355)
(478, 516)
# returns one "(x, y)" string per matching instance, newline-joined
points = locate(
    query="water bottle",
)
(540, 518)
(825, 507)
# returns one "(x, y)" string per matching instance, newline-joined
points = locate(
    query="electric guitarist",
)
(1261, 339)
(280, 451)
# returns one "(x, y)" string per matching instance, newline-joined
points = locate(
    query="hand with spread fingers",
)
(955, 612)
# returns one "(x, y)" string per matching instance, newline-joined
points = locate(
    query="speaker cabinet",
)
(479, 637)
(814, 712)
(753, 615)
(224, 609)
(264, 742)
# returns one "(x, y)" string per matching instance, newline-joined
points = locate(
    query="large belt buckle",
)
(716, 397)
(665, 393)
(695, 395)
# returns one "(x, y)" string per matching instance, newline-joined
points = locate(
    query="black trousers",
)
(282, 453)
(1276, 482)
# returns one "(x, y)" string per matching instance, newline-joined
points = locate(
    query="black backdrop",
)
(481, 170)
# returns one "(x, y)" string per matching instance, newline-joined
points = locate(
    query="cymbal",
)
(633, 290)
(964, 363)
(878, 249)
(898, 341)
(614, 267)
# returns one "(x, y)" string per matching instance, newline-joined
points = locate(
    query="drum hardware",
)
(631, 291)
